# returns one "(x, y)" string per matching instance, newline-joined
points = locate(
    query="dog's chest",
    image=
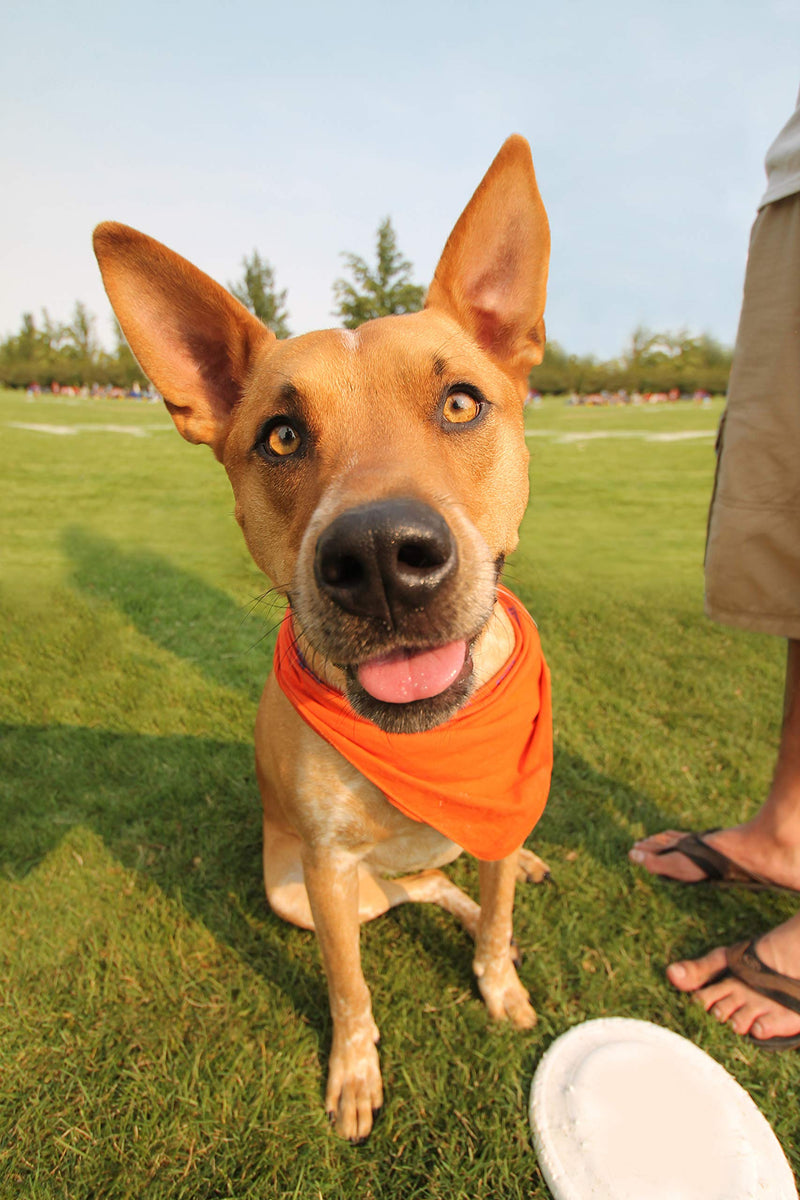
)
(341, 807)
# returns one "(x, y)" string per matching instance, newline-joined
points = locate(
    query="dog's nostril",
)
(343, 571)
(420, 555)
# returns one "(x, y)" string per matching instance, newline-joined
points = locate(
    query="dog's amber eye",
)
(283, 440)
(460, 408)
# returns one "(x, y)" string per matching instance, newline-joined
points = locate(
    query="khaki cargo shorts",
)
(753, 545)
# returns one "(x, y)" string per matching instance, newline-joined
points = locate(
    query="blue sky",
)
(296, 127)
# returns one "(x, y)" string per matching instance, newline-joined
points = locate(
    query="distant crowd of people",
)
(622, 396)
(134, 392)
(604, 398)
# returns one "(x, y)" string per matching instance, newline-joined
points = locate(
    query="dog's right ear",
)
(192, 338)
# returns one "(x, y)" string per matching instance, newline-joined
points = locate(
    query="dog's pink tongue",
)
(412, 675)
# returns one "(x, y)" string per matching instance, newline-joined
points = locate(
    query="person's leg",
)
(752, 567)
(753, 582)
(769, 843)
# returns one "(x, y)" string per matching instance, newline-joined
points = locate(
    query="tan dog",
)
(341, 447)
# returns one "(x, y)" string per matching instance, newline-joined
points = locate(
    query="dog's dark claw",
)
(516, 953)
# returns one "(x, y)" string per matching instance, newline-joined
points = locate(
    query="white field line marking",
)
(562, 439)
(68, 430)
(565, 439)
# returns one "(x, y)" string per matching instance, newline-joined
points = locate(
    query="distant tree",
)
(76, 347)
(381, 292)
(652, 362)
(562, 372)
(47, 351)
(657, 362)
(79, 335)
(706, 363)
(119, 367)
(30, 343)
(256, 291)
(31, 356)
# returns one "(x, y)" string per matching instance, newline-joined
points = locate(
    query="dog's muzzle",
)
(390, 569)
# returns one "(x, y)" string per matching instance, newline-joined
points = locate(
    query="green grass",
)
(163, 1034)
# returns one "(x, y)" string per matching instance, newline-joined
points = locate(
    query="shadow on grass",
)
(183, 811)
(179, 612)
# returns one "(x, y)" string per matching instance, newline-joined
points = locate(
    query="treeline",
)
(46, 352)
(654, 362)
(70, 354)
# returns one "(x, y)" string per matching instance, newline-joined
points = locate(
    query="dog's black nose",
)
(386, 558)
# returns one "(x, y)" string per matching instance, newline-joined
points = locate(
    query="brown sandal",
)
(718, 868)
(745, 965)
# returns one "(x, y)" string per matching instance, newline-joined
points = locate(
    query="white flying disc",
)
(626, 1110)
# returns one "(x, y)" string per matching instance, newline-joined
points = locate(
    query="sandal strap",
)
(716, 866)
(745, 965)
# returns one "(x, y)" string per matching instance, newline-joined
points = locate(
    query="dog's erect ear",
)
(492, 276)
(191, 337)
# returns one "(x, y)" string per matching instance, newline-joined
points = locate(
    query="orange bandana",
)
(482, 777)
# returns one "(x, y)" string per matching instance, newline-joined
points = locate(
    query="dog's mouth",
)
(412, 690)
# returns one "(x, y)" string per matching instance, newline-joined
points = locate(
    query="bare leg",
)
(769, 843)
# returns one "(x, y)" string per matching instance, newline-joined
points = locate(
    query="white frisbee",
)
(626, 1110)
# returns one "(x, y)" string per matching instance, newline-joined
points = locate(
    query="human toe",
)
(745, 1017)
(723, 1008)
(656, 842)
(659, 855)
(688, 975)
(775, 1022)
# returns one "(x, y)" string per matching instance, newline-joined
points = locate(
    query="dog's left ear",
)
(492, 276)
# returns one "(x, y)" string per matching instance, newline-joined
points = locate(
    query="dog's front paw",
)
(355, 1090)
(504, 995)
(531, 868)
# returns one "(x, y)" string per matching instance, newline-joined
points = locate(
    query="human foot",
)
(722, 981)
(750, 855)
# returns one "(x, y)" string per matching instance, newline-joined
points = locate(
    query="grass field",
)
(163, 1034)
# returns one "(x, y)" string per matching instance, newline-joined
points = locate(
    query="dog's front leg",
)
(354, 1092)
(499, 984)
